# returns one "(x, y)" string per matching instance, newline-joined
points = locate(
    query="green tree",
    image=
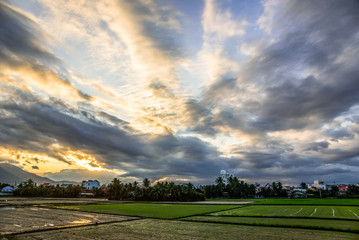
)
(146, 182)
(334, 191)
(303, 185)
(114, 189)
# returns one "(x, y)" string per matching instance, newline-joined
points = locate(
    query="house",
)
(90, 184)
(343, 187)
(46, 184)
(7, 189)
(302, 190)
(297, 194)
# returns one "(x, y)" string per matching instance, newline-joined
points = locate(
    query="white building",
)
(225, 175)
(319, 184)
(91, 184)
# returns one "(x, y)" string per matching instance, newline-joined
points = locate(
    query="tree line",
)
(234, 188)
(170, 191)
(161, 191)
(30, 189)
(116, 190)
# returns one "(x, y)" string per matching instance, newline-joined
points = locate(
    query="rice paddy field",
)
(259, 219)
(329, 214)
(305, 201)
(308, 201)
(342, 212)
(152, 210)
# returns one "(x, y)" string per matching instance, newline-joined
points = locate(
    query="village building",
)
(319, 184)
(90, 184)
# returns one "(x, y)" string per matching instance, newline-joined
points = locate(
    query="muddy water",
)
(24, 219)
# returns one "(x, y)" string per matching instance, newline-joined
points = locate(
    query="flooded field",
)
(23, 201)
(27, 219)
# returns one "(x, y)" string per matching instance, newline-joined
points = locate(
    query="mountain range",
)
(14, 175)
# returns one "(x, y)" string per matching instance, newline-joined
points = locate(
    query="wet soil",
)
(26, 219)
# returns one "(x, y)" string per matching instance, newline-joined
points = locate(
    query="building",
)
(7, 189)
(343, 187)
(90, 184)
(297, 194)
(225, 175)
(302, 190)
(319, 184)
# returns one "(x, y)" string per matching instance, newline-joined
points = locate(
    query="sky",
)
(176, 90)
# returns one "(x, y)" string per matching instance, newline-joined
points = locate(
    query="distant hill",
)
(11, 174)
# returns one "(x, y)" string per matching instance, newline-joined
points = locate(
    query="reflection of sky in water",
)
(7, 208)
(81, 221)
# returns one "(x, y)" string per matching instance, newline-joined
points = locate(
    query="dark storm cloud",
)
(28, 123)
(22, 48)
(314, 42)
(309, 36)
(42, 121)
(20, 35)
(34, 126)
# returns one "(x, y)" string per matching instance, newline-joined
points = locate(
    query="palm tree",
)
(146, 182)
(114, 188)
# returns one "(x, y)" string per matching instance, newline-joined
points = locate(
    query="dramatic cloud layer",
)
(177, 91)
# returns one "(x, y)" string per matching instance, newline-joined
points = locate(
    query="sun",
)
(84, 160)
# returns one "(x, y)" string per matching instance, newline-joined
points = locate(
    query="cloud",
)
(20, 35)
(303, 76)
(317, 146)
(216, 57)
(337, 134)
(149, 30)
(279, 99)
(25, 54)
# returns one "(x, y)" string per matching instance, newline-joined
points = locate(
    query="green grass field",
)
(344, 212)
(333, 217)
(166, 211)
(308, 201)
(324, 224)
(287, 201)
